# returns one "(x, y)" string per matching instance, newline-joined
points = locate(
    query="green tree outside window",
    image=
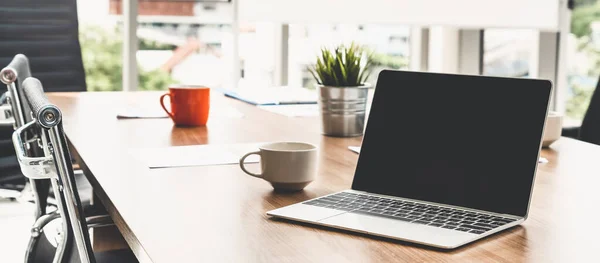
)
(102, 58)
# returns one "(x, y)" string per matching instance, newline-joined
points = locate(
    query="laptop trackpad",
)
(439, 237)
(304, 212)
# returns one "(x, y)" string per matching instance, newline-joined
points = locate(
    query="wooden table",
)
(217, 213)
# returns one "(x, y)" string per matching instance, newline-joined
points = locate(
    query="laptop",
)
(445, 160)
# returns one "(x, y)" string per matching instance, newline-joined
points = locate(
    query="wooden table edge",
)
(134, 244)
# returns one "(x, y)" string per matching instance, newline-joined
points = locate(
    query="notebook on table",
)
(283, 95)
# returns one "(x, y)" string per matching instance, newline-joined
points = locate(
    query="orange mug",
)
(189, 105)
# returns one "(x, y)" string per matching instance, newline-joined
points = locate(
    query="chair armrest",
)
(571, 132)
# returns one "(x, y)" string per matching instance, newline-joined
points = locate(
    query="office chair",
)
(47, 32)
(55, 165)
(589, 131)
(13, 76)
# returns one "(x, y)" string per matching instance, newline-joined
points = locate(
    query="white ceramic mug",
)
(288, 166)
(553, 128)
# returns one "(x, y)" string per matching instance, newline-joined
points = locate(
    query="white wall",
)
(539, 14)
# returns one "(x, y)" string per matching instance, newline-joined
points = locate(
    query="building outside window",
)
(183, 42)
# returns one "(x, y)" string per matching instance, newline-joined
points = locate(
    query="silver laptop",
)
(445, 160)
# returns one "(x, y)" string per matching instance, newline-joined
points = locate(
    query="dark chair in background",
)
(46, 31)
(589, 131)
(75, 245)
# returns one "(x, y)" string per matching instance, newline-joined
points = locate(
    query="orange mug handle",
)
(162, 103)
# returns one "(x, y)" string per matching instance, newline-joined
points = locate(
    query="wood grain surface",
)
(217, 213)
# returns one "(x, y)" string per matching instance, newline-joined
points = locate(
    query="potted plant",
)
(341, 76)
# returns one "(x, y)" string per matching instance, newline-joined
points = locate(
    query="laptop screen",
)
(468, 141)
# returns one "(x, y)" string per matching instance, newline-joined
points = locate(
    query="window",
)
(178, 42)
(191, 42)
(101, 41)
(185, 42)
(583, 57)
(507, 53)
(389, 46)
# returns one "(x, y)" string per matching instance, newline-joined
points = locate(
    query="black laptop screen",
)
(459, 140)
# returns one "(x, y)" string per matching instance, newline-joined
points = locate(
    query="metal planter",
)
(343, 110)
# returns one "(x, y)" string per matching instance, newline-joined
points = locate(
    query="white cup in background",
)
(553, 128)
(288, 166)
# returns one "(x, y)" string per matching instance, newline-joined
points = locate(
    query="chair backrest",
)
(590, 127)
(49, 119)
(47, 32)
(13, 76)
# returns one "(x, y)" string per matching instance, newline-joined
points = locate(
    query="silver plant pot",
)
(343, 110)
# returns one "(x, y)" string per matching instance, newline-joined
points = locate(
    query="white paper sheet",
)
(256, 94)
(299, 110)
(355, 149)
(195, 155)
(140, 112)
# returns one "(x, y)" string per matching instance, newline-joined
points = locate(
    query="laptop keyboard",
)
(417, 213)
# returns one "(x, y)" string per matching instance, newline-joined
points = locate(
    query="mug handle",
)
(244, 168)
(162, 103)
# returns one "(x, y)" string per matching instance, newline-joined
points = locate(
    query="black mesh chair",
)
(55, 165)
(589, 131)
(46, 31)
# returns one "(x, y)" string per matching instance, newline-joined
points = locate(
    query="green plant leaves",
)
(342, 67)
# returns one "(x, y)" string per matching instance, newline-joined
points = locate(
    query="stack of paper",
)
(195, 155)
